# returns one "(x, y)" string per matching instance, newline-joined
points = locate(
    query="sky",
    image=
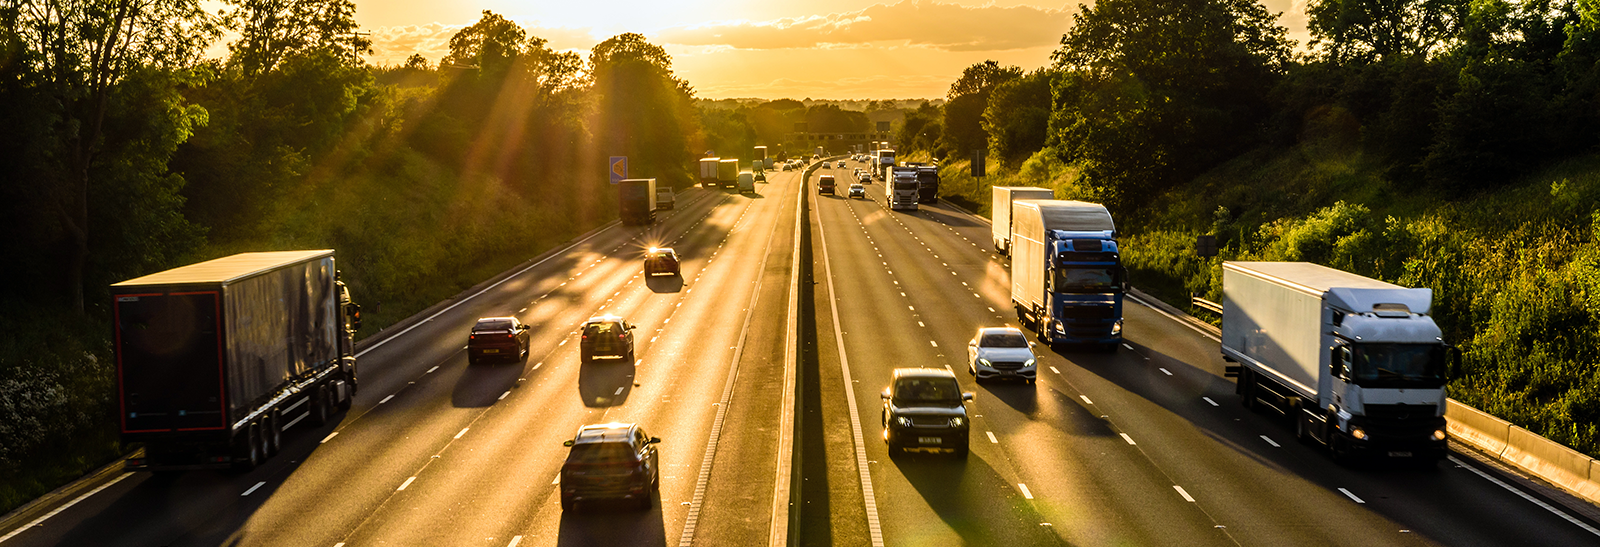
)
(771, 49)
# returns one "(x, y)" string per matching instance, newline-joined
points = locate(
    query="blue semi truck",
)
(1067, 277)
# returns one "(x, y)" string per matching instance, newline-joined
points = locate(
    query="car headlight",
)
(1028, 363)
(957, 421)
(1438, 434)
(1116, 328)
(1358, 433)
(903, 421)
(984, 362)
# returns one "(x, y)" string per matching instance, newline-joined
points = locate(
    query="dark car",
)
(661, 261)
(611, 461)
(825, 185)
(606, 336)
(497, 337)
(925, 408)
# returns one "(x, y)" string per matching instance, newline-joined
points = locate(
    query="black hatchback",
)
(614, 461)
(606, 336)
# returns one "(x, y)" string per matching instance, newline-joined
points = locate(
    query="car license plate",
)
(1008, 373)
(491, 351)
(929, 440)
(1395, 454)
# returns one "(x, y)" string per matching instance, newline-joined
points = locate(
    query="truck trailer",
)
(902, 188)
(1000, 211)
(927, 184)
(760, 164)
(636, 201)
(215, 360)
(882, 161)
(728, 173)
(1356, 363)
(1067, 278)
(708, 172)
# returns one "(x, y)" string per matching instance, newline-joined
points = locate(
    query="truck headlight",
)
(957, 421)
(1116, 328)
(1438, 434)
(903, 421)
(1358, 433)
(1060, 327)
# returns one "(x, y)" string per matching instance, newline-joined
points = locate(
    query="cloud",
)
(948, 27)
(391, 45)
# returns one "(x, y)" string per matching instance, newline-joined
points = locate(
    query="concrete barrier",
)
(1476, 427)
(1550, 461)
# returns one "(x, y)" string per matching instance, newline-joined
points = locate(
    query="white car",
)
(1001, 352)
(664, 197)
(857, 191)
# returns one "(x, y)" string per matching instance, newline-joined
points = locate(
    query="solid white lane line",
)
(329, 437)
(1181, 492)
(514, 541)
(1053, 369)
(1519, 493)
(1025, 493)
(403, 485)
(463, 432)
(1270, 441)
(64, 507)
(1351, 496)
(992, 440)
(1166, 372)
(1125, 437)
(485, 289)
(430, 371)
(1086, 399)
(503, 395)
(386, 399)
(1208, 399)
(253, 489)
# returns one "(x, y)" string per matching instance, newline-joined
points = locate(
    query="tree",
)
(416, 62)
(273, 30)
(78, 52)
(643, 110)
(1154, 91)
(969, 95)
(1374, 30)
(1017, 118)
(489, 45)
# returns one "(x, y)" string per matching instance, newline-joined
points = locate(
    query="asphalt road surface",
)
(1144, 446)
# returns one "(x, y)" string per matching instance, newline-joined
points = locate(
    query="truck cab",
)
(1085, 281)
(904, 189)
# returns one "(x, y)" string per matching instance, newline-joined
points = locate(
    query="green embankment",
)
(1515, 272)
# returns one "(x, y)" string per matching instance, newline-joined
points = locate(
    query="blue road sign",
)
(619, 168)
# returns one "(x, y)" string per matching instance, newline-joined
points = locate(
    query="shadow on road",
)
(1020, 396)
(481, 384)
(962, 492)
(664, 283)
(613, 523)
(605, 382)
(951, 218)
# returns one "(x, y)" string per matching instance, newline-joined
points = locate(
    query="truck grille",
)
(1400, 412)
(1086, 312)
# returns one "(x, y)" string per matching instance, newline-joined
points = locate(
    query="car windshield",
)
(660, 254)
(492, 324)
(602, 453)
(1003, 340)
(927, 391)
(1421, 365)
(1085, 279)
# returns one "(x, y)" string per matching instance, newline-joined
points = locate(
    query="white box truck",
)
(1357, 363)
(1000, 211)
(708, 172)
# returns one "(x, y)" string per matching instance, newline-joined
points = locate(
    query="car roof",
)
(999, 330)
(607, 432)
(607, 318)
(488, 319)
(923, 373)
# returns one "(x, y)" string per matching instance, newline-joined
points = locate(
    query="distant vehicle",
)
(213, 360)
(825, 184)
(820, 152)
(815, 157)
(761, 176)
(1067, 277)
(925, 408)
(885, 160)
(1000, 211)
(606, 336)
(760, 161)
(864, 177)
(1357, 363)
(665, 199)
(661, 261)
(841, 164)
(857, 190)
(902, 188)
(497, 337)
(927, 184)
(747, 183)
(615, 461)
(708, 172)
(728, 173)
(636, 201)
(1003, 353)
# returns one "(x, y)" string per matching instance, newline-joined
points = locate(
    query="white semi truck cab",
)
(1357, 363)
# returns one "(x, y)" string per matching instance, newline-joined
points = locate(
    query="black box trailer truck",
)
(215, 360)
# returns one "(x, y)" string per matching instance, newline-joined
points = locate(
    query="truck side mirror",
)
(355, 316)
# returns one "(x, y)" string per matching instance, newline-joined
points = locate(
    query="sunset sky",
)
(833, 49)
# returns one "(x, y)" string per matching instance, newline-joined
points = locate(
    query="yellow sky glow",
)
(835, 49)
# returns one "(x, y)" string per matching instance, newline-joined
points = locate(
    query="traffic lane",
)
(920, 497)
(456, 501)
(1122, 484)
(738, 506)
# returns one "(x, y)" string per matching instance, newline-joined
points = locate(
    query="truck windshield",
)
(1399, 365)
(1085, 279)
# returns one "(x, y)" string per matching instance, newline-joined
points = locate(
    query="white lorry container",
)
(1001, 211)
(1357, 363)
(708, 172)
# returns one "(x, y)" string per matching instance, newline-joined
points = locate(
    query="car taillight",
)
(472, 337)
(622, 336)
(511, 336)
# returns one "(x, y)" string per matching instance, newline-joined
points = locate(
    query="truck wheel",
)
(349, 396)
(247, 450)
(274, 433)
(1247, 389)
(320, 410)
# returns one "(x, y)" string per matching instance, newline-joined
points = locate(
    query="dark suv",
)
(606, 336)
(661, 261)
(501, 337)
(925, 408)
(611, 461)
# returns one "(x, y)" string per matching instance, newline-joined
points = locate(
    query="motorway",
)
(1145, 446)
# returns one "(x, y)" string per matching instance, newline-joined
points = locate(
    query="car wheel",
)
(471, 360)
(962, 451)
